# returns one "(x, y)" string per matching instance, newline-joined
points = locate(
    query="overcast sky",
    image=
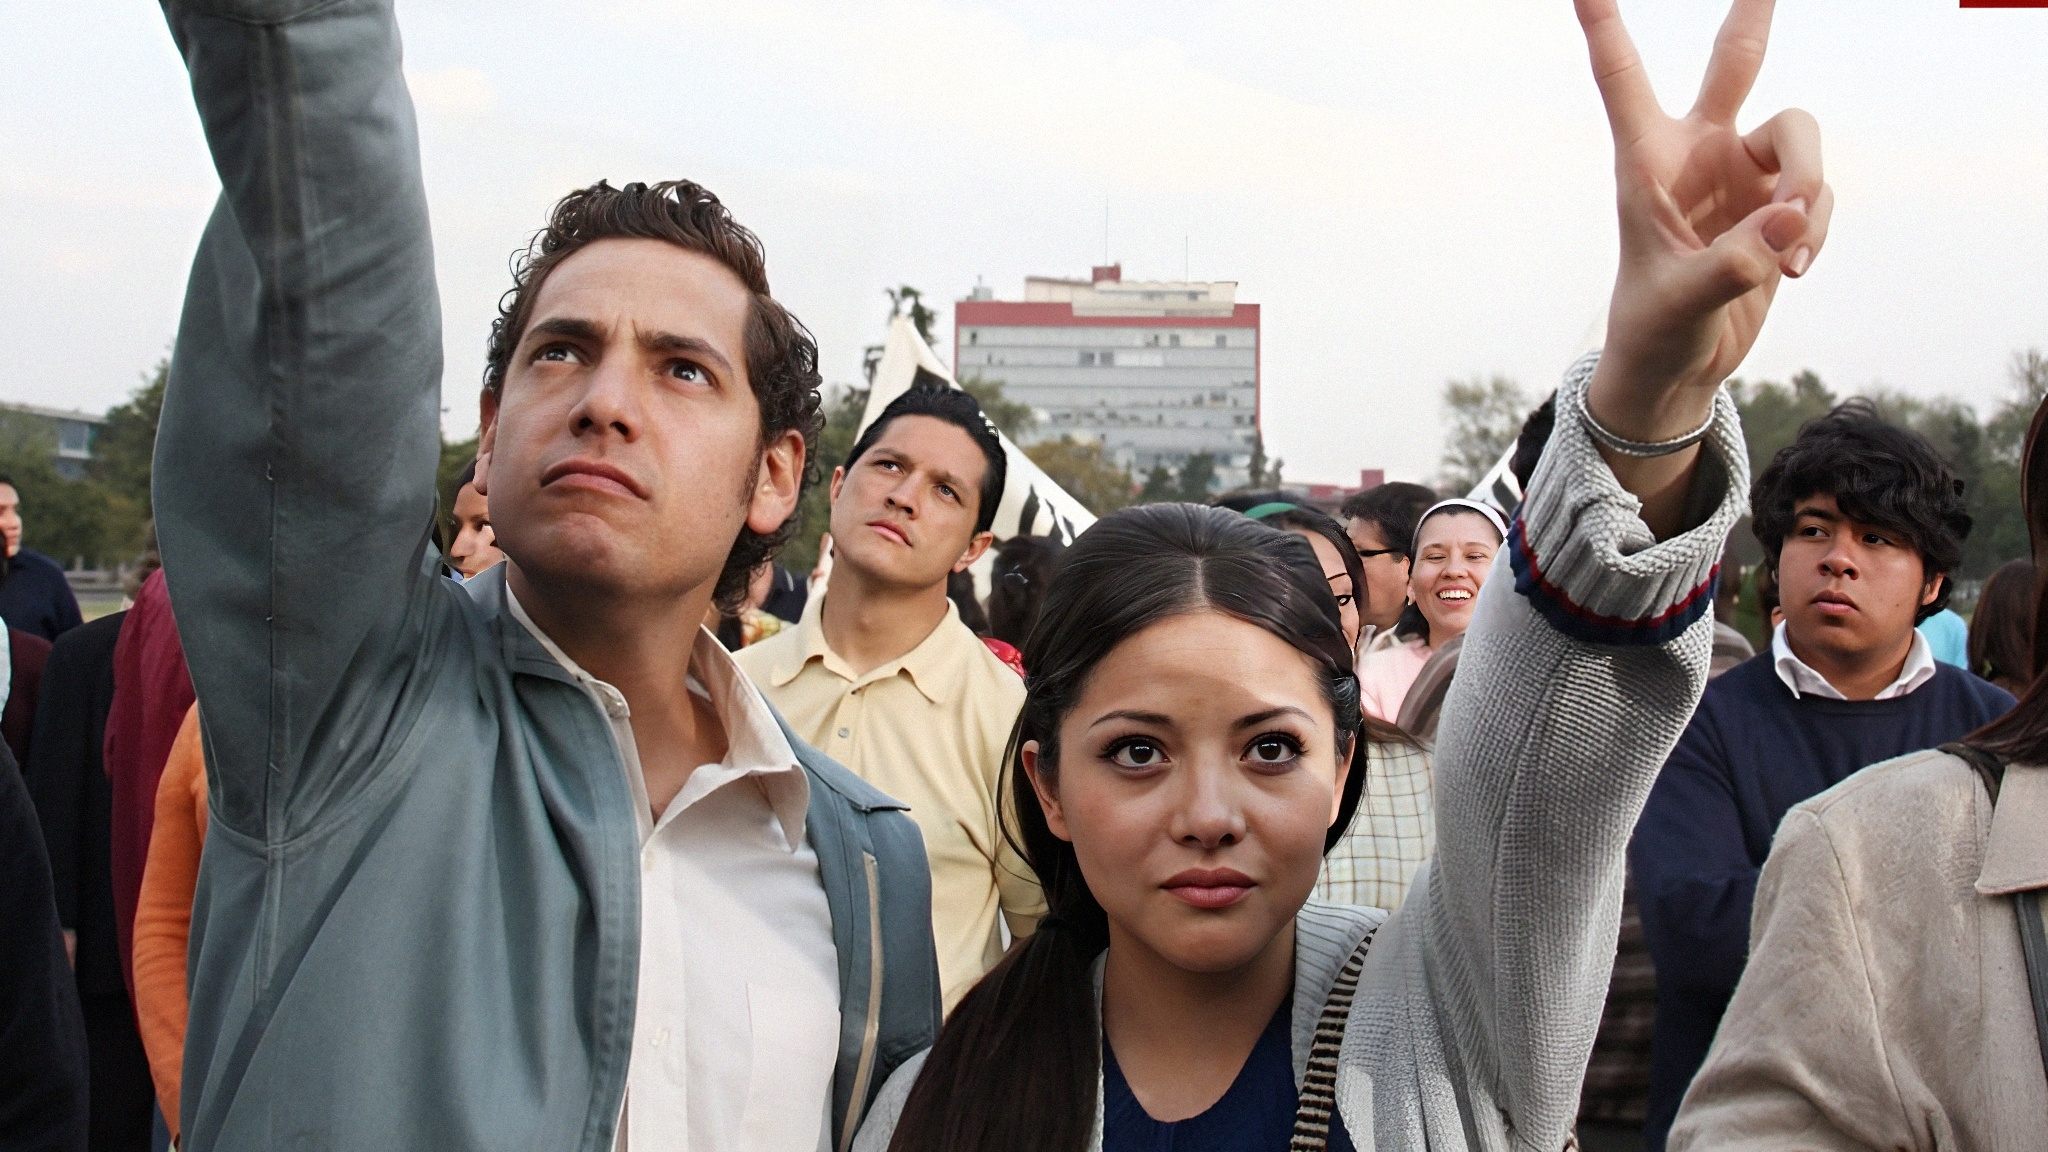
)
(1413, 191)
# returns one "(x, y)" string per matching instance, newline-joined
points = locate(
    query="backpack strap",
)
(2034, 947)
(1319, 1084)
(2026, 906)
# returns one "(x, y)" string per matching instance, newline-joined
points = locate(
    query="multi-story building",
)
(1157, 371)
(72, 433)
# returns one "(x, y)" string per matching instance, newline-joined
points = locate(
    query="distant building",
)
(1329, 496)
(75, 433)
(1156, 371)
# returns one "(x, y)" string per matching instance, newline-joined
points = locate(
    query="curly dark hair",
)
(1880, 474)
(782, 356)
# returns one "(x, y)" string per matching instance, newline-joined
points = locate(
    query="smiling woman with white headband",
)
(1455, 543)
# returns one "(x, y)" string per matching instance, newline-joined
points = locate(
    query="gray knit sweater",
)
(1585, 658)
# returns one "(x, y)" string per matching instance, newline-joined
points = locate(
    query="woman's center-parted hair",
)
(781, 356)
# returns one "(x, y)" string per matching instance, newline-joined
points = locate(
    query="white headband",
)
(1491, 513)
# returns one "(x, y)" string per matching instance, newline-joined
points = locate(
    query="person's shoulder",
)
(988, 672)
(1917, 782)
(30, 560)
(764, 655)
(91, 643)
(1346, 924)
(1740, 689)
(1989, 698)
(1396, 757)
(1918, 807)
(1409, 653)
(1746, 676)
(27, 649)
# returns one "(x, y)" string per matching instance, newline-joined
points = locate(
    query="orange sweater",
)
(163, 912)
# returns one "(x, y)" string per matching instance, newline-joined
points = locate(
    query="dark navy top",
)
(1256, 1114)
(1752, 751)
(35, 597)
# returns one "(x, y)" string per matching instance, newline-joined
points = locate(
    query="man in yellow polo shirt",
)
(882, 676)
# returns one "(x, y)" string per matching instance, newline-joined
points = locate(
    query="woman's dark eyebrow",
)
(1155, 718)
(1258, 718)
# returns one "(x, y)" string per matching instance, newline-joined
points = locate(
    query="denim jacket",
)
(418, 915)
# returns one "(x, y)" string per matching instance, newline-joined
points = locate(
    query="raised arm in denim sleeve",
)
(296, 453)
(1584, 660)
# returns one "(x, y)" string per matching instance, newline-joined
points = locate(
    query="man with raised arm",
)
(528, 862)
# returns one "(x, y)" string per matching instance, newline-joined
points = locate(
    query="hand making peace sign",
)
(1711, 219)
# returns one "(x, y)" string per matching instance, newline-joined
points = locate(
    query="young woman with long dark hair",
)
(1191, 716)
(1178, 770)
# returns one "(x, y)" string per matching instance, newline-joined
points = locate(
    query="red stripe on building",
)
(1060, 314)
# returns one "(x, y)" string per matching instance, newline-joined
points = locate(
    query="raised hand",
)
(1711, 221)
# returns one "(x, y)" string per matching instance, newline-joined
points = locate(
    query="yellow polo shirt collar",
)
(935, 666)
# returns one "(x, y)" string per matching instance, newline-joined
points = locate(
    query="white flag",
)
(1032, 504)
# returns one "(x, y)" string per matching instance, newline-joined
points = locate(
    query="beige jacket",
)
(1885, 1004)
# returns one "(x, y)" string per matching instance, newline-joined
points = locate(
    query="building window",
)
(74, 440)
(1174, 340)
(1219, 341)
(973, 336)
(1102, 359)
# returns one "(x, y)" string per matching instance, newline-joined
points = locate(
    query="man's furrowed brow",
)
(1819, 512)
(669, 342)
(568, 328)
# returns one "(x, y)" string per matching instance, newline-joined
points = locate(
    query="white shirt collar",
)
(1801, 678)
(755, 743)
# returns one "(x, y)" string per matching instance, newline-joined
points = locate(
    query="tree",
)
(1196, 478)
(1261, 474)
(1481, 420)
(2007, 428)
(69, 520)
(123, 451)
(455, 456)
(2000, 533)
(1085, 471)
(1161, 486)
(1773, 413)
(1015, 418)
(909, 300)
(902, 300)
(843, 410)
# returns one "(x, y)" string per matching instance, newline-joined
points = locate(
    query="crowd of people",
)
(550, 811)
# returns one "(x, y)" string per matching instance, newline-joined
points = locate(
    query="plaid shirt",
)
(1393, 832)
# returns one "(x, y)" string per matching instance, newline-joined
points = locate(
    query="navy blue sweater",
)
(1751, 753)
(35, 597)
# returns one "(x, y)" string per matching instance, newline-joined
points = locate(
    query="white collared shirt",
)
(1801, 678)
(736, 1027)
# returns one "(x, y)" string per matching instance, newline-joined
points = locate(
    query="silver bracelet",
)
(1639, 449)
